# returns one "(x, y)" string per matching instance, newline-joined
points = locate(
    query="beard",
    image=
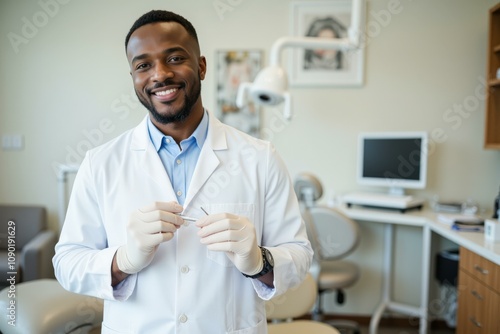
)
(179, 115)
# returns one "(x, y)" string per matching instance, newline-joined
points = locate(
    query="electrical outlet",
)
(12, 142)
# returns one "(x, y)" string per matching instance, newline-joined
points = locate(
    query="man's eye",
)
(141, 66)
(175, 59)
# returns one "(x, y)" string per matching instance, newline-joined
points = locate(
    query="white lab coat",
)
(186, 289)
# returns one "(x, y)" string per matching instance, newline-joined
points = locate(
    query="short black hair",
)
(155, 16)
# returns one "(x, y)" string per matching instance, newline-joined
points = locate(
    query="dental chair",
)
(26, 244)
(295, 303)
(333, 236)
(43, 306)
(38, 304)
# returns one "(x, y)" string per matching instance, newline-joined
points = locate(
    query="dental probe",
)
(189, 219)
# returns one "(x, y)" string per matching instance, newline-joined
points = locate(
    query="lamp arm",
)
(270, 86)
(241, 97)
(307, 42)
(351, 42)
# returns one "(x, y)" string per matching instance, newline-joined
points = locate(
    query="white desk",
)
(429, 223)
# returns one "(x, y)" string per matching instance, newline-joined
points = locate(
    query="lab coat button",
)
(183, 318)
(184, 269)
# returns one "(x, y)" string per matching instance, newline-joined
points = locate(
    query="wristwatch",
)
(268, 260)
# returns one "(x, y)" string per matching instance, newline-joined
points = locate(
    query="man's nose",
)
(161, 72)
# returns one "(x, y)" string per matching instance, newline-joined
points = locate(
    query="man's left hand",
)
(234, 235)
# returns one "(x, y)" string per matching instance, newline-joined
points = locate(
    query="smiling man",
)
(182, 224)
(167, 70)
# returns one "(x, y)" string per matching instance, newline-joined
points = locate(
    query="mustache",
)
(163, 84)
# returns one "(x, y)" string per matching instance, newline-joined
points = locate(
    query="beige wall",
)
(66, 87)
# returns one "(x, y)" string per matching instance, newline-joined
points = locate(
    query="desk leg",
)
(386, 303)
(386, 279)
(426, 264)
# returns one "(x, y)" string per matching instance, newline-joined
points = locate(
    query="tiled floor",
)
(396, 327)
(382, 330)
(406, 331)
(394, 330)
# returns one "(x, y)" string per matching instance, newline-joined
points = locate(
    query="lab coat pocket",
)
(106, 330)
(240, 209)
(219, 258)
(259, 328)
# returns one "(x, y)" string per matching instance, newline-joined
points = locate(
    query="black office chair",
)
(333, 236)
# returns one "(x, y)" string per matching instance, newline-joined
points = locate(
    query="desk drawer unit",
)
(478, 295)
(483, 270)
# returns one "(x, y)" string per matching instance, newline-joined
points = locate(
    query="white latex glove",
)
(147, 228)
(234, 235)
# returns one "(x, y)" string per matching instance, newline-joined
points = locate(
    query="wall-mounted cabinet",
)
(492, 129)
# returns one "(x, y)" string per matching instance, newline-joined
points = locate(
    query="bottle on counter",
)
(496, 206)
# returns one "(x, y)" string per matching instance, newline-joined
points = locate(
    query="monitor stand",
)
(400, 203)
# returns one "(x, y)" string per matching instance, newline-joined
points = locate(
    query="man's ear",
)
(202, 67)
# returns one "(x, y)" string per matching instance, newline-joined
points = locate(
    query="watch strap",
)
(266, 268)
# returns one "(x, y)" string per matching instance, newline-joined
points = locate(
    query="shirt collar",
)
(199, 134)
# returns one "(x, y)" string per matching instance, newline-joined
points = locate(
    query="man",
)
(124, 239)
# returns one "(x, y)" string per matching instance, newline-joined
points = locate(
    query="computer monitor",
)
(396, 160)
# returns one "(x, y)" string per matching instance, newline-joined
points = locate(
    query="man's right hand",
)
(147, 228)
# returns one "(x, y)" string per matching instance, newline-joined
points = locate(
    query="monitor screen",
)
(396, 160)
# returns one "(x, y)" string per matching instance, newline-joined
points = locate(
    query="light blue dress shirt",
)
(179, 162)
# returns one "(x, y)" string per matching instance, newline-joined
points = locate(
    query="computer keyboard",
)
(382, 200)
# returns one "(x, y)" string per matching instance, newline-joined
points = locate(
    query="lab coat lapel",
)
(208, 160)
(149, 161)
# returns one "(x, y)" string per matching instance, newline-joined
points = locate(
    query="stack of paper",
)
(453, 207)
(462, 222)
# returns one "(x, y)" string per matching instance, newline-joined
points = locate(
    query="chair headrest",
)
(307, 184)
(336, 234)
(295, 303)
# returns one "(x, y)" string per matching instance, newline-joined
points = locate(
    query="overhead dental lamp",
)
(270, 87)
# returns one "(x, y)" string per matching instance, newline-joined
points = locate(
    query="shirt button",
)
(184, 269)
(168, 140)
(179, 193)
(179, 161)
(183, 318)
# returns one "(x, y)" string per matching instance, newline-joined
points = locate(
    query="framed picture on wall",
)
(233, 68)
(321, 67)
